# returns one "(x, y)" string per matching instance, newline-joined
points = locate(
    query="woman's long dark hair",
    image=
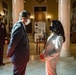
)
(57, 28)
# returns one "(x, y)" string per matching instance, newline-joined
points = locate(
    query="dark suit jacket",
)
(2, 34)
(18, 48)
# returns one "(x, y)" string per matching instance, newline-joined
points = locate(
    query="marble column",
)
(1, 9)
(64, 17)
(17, 7)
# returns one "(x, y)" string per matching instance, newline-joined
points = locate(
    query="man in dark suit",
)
(18, 48)
(2, 39)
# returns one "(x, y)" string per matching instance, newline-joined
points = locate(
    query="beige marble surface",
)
(66, 66)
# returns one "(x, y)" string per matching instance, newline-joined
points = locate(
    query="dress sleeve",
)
(58, 43)
(57, 47)
(49, 47)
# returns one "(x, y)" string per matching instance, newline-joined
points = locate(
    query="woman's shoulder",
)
(51, 37)
(55, 37)
(59, 37)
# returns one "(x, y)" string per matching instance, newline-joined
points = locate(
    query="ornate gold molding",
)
(40, 1)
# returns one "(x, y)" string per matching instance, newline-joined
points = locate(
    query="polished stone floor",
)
(66, 66)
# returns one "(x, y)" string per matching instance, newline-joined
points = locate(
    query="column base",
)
(67, 59)
(65, 54)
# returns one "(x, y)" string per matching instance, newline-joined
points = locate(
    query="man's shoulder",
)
(17, 25)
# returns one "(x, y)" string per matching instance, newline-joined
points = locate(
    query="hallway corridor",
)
(66, 66)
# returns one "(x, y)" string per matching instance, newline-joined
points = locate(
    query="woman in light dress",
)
(53, 47)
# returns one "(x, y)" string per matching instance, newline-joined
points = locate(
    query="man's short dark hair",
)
(24, 13)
